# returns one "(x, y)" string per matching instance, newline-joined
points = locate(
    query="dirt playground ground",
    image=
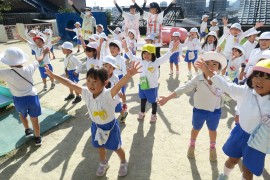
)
(156, 152)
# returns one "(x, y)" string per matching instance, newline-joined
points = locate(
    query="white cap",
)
(117, 29)
(177, 34)
(204, 16)
(47, 31)
(67, 45)
(13, 56)
(237, 26)
(241, 48)
(93, 45)
(265, 35)
(150, 37)
(95, 37)
(212, 33)
(100, 25)
(215, 56)
(253, 33)
(77, 23)
(133, 32)
(103, 35)
(215, 21)
(110, 60)
(33, 31)
(194, 30)
(118, 43)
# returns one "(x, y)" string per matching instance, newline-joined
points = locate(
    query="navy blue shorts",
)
(236, 147)
(123, 89)
(200, 116)
(72, 77)
(51, 49)
(114, 141)
(33, 52)
(149, 94)
(195, 57)
(27, 105)
(79, 42)
(42, 71)
(118, 108)
(203, 34)
(174, 58)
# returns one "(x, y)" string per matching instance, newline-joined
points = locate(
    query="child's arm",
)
(166, 56)
(56, 40)
(44, 53)
(67, 29)
(167, 10)
(21, 38)
(111, 31)
(63, 81)
(83, 43)
(130, 72)
(78, 64)
(99, 48)
(118, 8)
(70, 2)
(244, 34)
(138, 8)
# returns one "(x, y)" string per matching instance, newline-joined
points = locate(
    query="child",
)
(254, 110)
(47, 35)
(193, 47)
(203, 27)
(92, 55)
(29, 36)
(78, 31)
(109, 63)
(149, 39)
(99, 29)
(148, 88)
(235, 62)
(131, 41)
(250, 44)
(101, 106)
(202, 111)
(117, 34)
(43, 57)
(175, 57)
(104, 50)
(20, 82)
(121, 70)
(94, 38)
(73, 67)
(214, 26)
(210, 43)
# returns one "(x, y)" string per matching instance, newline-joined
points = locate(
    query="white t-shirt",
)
(131, 21)
(113, 80)
(102, 108)
(39, 52)
(91, 62)
(203, 27)
(78, 32)
(192, 45)
(233, 67)
(73, 63)
(179, 47)
(17, 85)
(121, 66)
(131, 44)
(208, 47)
(248, 47)
(214, 28)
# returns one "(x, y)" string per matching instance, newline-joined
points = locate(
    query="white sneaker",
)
(102, 169)
(189, 74)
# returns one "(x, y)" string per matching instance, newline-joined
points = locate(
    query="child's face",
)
(89, 54)
(77, 26)
(148, 41)
(261, 84)
(236, 53)
(211, 39)
(147, 56)
(252, 38)
(175, 38)
(39, 43)
(114, 51)
(95, 86)
(109, 68)
(32, 34)
(153, 10)
(132, 10)
(214, 23)
(99, 29)
(235, 31)
(213, 65)
(193, 35)
(131, 35)
(66, 51)
(205, 19)
(264, 43)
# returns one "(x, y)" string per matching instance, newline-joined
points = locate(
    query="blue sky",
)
(109, 3)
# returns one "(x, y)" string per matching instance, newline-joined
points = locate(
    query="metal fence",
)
(11, 32)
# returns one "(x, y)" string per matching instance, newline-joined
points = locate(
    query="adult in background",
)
(154, 20)
(131, 18)
(88, 24)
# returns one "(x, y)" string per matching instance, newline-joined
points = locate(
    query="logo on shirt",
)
(151, 69)
(102, 114)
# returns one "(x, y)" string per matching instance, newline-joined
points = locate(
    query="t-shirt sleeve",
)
(75, 30)
(85, 94)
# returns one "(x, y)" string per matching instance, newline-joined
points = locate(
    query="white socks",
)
(227, 171)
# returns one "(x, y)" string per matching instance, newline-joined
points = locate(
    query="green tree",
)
(5, 5)
(109, 16)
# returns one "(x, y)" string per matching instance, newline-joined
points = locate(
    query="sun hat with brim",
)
(263, 66)
(77, 23)
(33, 32)
(253, 33)
(87, 9)
(38, 37)
(176, 34)
(194, 30)
(110, 60)
(150, 37)
(214, 21)
(150, 48)
(103, 35)
(118, 43)
(47, 31)
(238, 46)
(100, 25)
(133, 32)
(67, 45)
(117, 29)
(92, 45)
(155, 5)
(212, 33)
(236, 26)
(265, 35)
(95, 37)
(204, 16)
(13, 57)
(215, 56)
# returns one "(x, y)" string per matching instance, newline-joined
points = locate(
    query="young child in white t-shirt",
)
(78, 31)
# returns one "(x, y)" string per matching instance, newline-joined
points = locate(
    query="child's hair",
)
(205, 42)
(238, 50)
(153, 56)
(114, 45)
(256, 73)
(98, 73)
(88, 49)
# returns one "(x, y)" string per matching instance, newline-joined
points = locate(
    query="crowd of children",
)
(242, 71)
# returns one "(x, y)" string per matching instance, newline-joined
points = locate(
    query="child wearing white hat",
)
(73, 66)
(175, 57)
(104, 43)
(131, 41)
(210, 43)
(99, 29)
(30, 35)
(203, 28)
(209, 112)
(92, 52)
(117, 34)
(214, 26)
(19, 79)
(78, 31)
(250, 44)
(193, 47)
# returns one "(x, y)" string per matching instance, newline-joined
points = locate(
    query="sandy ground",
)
(153, 151)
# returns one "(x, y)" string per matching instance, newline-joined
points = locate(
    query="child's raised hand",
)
(218, 49)
(200, 63)
(175, 46)
(162, 100)
(114, 2)
(124, 44)
(46, 50)
(225, 21)
(258, 25)
(134, 69)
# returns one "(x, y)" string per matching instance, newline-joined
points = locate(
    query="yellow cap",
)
(263, 66)
(150, 48)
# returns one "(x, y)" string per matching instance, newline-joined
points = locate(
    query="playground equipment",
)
(5, 97)
(168, 31)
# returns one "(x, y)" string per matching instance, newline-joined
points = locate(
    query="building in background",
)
(219, 5)
(192, 8)
(163, 4)
(252, 11)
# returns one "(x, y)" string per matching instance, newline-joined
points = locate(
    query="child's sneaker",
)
(222, 177)
(190, 153)
(38, 141)
(124, 107)
(69, 97)
(122, 118)
(141, 116)
(102, 169)
(45, 87)
(77, 99)
(29, 132)
(123, 169)
(153, 118)
(52, 85)
(212, 154)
